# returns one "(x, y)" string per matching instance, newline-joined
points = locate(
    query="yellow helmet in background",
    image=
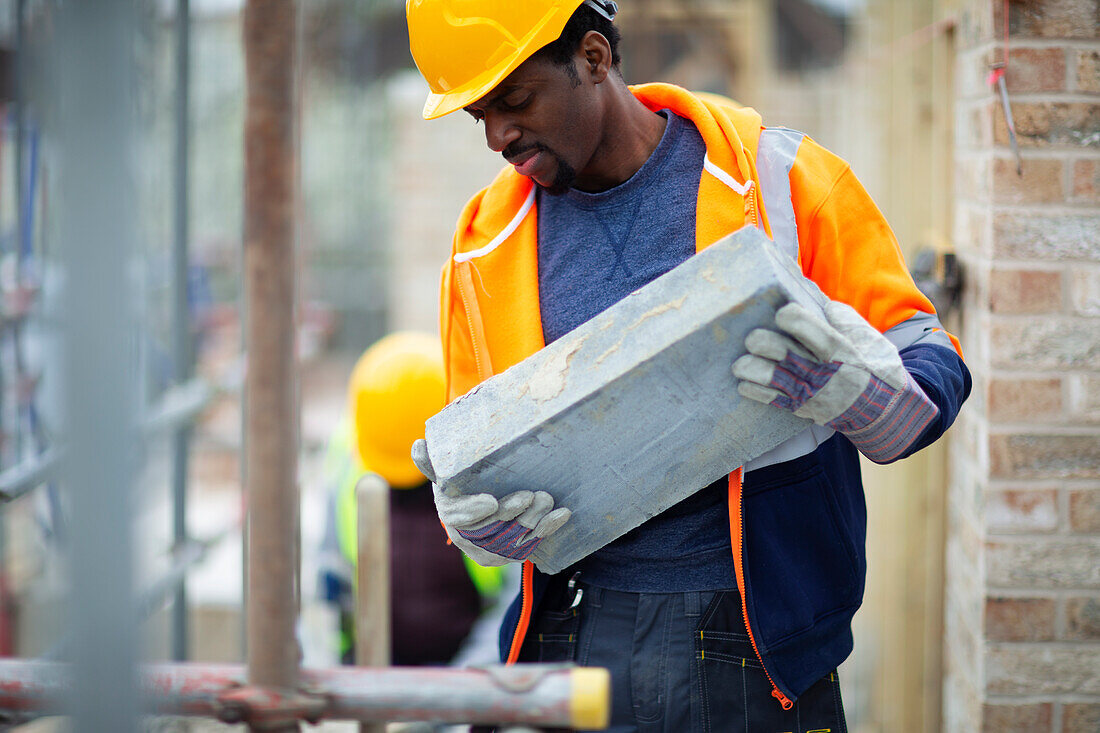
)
(464, 48)
(395, 386)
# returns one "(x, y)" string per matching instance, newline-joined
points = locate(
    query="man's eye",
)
(515, 103)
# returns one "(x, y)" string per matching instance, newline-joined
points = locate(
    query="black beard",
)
(563, 178)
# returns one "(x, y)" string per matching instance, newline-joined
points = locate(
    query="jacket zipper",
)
(740, 568)
(750, 204)
(525, 592)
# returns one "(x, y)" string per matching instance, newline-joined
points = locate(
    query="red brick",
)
(1048, 18)
(1040, 181)
(1088, 71)
(1086, 181)
(1035, 70)
(1043, 124)
(1021, 511)
(1084, 510)
(1019, 619)
(1044, 456)
(1027, 718)
(1032, 122)
(1081, 717)
(1025, 291)
(1083, 619)
(1024, 399)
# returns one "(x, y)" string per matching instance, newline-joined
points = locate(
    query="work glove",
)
(492, 531)
(839, 372)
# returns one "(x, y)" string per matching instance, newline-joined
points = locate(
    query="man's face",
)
(542, 119)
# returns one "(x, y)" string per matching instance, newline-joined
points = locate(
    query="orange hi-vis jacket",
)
(490, 314)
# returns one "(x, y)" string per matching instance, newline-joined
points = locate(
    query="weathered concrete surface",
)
(636, 409)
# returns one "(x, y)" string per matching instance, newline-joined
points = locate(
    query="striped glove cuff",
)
(884, 422)
(507, 539)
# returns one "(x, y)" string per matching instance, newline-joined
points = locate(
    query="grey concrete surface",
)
(634, 410)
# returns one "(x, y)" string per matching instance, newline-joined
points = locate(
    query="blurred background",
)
(983, 602)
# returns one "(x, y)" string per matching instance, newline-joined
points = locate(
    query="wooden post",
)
(271, 418)
(372, 602)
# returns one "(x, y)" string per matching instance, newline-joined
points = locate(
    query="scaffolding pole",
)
(544, 695)
(271, 416)
(182, 351)
(92, 96)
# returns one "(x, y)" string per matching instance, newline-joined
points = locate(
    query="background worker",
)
(437, 594)
(731, 610)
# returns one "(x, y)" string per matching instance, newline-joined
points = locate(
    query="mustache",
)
(515, 149)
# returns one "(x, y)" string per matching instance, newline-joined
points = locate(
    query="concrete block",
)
(636, 409)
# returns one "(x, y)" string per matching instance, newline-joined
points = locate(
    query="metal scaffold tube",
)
(93, 103)
(182, 348)
(535, 694)
(271, 416)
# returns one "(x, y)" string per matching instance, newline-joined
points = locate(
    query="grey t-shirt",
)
(594, 249)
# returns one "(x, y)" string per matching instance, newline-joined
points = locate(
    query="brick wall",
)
(1022, 603)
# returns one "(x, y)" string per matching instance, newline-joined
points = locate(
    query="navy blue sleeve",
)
(943, 376)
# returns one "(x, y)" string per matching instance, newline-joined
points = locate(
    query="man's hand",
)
(840, 373)
(492, 531)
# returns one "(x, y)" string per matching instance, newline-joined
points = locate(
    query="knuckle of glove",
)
(464, 511)
(752, 368)
(514, 504)
(541, 504)
(551, 523)
(755, 392)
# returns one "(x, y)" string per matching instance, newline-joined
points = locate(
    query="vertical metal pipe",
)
(181, 315)
(271, 418)
(92, 95)
(372, 602)
(20, 88)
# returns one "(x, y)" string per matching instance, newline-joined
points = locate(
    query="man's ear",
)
(595, 54)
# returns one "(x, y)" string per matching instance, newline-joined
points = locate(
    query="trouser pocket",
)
(735, 692)
(552, 635)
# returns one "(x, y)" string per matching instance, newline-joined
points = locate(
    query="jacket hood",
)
(730, 132)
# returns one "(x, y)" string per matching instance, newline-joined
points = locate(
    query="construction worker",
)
(732, 610)
(437, 593)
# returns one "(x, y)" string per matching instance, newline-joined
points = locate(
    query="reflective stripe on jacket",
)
(803, 196)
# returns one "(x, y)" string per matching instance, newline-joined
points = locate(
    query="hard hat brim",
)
(443, 103)
(438, 105)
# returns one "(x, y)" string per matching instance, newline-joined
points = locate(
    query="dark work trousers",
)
(679, 662)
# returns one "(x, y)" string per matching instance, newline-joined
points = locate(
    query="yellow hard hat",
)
(464, 48)
(395, 386)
